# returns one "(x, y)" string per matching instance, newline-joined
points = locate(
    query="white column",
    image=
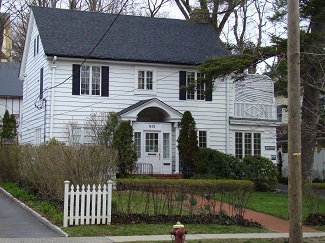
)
(176, 149)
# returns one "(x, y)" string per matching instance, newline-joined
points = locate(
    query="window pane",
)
(239, 145)
(190, 85)
(95, 80)
(257, 144)
(202, 139)
(85, 79)
(151, 142)
(88, 136)
(137, 141)
(149, 79)
(248, 144)
(141, 80)
(166, 146)
(200, 87)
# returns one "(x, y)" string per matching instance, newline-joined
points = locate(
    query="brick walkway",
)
(272, 223)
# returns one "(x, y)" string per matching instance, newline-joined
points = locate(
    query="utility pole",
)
(294, 124)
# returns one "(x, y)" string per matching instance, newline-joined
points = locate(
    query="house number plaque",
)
(152, 126)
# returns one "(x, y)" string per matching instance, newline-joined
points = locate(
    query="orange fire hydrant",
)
(178, 233)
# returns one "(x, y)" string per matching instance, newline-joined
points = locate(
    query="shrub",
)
(43, 169)
(187, 141)
(169, 196)
(220, 165)
(9, 163)
(262, 171)
(124, 145)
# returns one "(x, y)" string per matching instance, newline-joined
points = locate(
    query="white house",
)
(77, 63)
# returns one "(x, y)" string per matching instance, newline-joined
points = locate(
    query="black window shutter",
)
(41, 80)
(105, 81)
(182, 83)
(208, 95)
(76, 79)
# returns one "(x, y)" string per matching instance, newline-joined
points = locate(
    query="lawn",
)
(270, 203)
(156, 229)
(276, 204)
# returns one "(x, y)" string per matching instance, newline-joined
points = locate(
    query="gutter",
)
(53, 68)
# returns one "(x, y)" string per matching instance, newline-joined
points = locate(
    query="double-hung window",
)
(202, 137)
(192, 86)
(247, 143)
(90, 80)
(145, 80)
(195, 88)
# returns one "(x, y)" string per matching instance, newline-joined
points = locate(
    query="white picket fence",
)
(86, 205)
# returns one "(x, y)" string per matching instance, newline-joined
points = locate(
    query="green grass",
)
(156, 229)
(276, 204)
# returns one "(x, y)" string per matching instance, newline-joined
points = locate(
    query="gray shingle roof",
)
(131, 38)
(10, 85)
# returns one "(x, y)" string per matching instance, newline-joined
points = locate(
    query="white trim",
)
(152, 91)
(174, 116)
(26, 46)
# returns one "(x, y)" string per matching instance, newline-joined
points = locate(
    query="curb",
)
(34, 213)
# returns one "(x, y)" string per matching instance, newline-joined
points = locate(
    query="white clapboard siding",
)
(87, 205)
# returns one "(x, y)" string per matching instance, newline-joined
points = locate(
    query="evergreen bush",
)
(212, 163)
(187, 141)
(124, 145)
(262, 171)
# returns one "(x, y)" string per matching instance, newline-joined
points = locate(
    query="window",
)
(202, 139)
(247, 143)
(137, 141)
(257, 144)
(88, 136)
(166, 146)
(90, 80)
(279, 113)
(41, 84)
(145, 80)
(191, 86)
(38, 136)
(200, 87)
(190, 82)
(151, 142)
(195, 91)
(36, 45)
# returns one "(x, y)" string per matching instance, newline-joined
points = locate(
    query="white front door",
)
(153, 143)
(152, 150)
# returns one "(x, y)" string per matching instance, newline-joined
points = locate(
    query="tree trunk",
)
(310, 110)
(311, 99)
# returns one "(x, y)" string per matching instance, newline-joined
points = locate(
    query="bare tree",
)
(103, 126)
(219, 10)
(73, 132)
(152, 7)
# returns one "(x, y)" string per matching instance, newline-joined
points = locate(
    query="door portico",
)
(155, 126)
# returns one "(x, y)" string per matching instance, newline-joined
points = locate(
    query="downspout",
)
(44, 120)
(227, 115)
(53, 67)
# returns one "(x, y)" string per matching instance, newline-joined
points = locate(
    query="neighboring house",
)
(5, 38)
(138, 70)
(11, 91)
(282, 138)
